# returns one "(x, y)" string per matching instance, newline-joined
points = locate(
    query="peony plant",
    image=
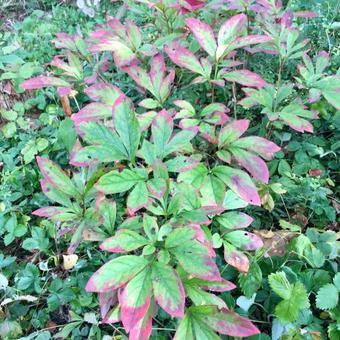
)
(178, 170)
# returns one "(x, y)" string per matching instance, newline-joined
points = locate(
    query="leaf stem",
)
(233, 86)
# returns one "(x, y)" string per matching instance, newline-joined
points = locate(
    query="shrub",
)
(176, 168)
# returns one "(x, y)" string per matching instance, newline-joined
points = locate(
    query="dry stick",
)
(65, 103)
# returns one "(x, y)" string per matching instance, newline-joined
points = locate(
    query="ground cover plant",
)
(185, 172)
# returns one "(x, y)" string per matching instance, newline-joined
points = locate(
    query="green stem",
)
(233, 86)
(166, 19)
(212, 84)
(279, 73)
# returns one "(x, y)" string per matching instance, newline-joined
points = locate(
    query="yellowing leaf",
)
(69, 261)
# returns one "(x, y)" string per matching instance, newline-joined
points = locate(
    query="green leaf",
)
(212, 190)
(125, 240)
(184, 329)
(9, 115)
(200, 297)
(202, 331)
(150, 227)
(56, 177)
(239, 182)
(234, 220)
(67, 134)
(135, 298)
(243, 240)
(168, 289)
(194, 176)
(232, 201)
(138, 198)
(149, 103)
(336, 281)
(327, 297)
(114, 181)
(103, 138)
(116, 273)
(224, 321)
(162, 128)
(196, 260)
(179, 235)
(126, 125)
(10, 329)
(67, 330)
(108, 211)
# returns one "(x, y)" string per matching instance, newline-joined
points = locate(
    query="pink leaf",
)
(184, 58)
(239, 182)
(106, 300)
(236, 259)
(258, 145)
(322, 61)
(139, 76)
(131, 315)
(65, 40)
(204, 34)
(157, 70)
(103, 92)
(305, 14)
(52, 212)
(186, 6)
(287, 19)
(247, 40)
(43, 81)
(229, 31)
(230, 323)
(252, 163)
(245, 77)
(73, 156)
(143, 328)
(157, 187)
(113, 316)
(232, 131)
(91, 112)
(55, 176)
(254, 242)
(217, 118)
(168, 289)
(216, 286)
(115, 273)
(64, 91)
